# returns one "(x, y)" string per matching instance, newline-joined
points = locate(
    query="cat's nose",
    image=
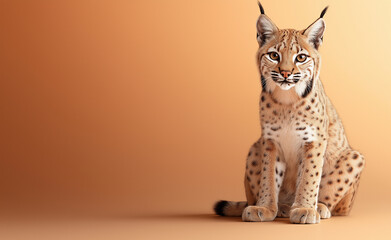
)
(285, 73)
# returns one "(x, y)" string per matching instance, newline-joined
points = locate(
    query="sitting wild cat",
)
(302, 167)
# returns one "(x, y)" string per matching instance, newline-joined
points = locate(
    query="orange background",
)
(151, 106)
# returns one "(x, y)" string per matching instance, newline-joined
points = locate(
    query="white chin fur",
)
(285, 86)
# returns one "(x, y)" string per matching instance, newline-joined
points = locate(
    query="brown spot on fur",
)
(308, 146)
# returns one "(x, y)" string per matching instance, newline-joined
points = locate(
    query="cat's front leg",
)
(266, 185)
(310, 171)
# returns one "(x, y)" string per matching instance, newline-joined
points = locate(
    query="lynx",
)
(302, 167)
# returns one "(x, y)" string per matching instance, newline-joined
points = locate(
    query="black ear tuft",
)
(261, 8)
(324, 12)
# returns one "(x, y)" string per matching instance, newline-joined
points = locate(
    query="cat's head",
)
(288, 59)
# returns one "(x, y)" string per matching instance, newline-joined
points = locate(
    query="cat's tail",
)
(229, 208)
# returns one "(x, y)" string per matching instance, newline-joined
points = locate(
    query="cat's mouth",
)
(285, 85)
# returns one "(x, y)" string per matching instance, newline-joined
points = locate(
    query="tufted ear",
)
(266, 29)
(314, 32)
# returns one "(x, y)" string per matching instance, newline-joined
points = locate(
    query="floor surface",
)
(367, 222)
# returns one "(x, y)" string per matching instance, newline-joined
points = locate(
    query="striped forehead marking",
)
(288, 39)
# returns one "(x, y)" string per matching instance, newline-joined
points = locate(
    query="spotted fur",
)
(302, 167)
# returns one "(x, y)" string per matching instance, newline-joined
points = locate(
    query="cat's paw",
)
(323, 211)
(304, 215)
(258, 214)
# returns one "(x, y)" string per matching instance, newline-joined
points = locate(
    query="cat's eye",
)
(301, 58)
(274, 56)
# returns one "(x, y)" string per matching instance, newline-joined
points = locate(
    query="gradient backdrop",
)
(134, 107)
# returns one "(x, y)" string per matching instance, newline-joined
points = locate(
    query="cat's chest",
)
(290, 135)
